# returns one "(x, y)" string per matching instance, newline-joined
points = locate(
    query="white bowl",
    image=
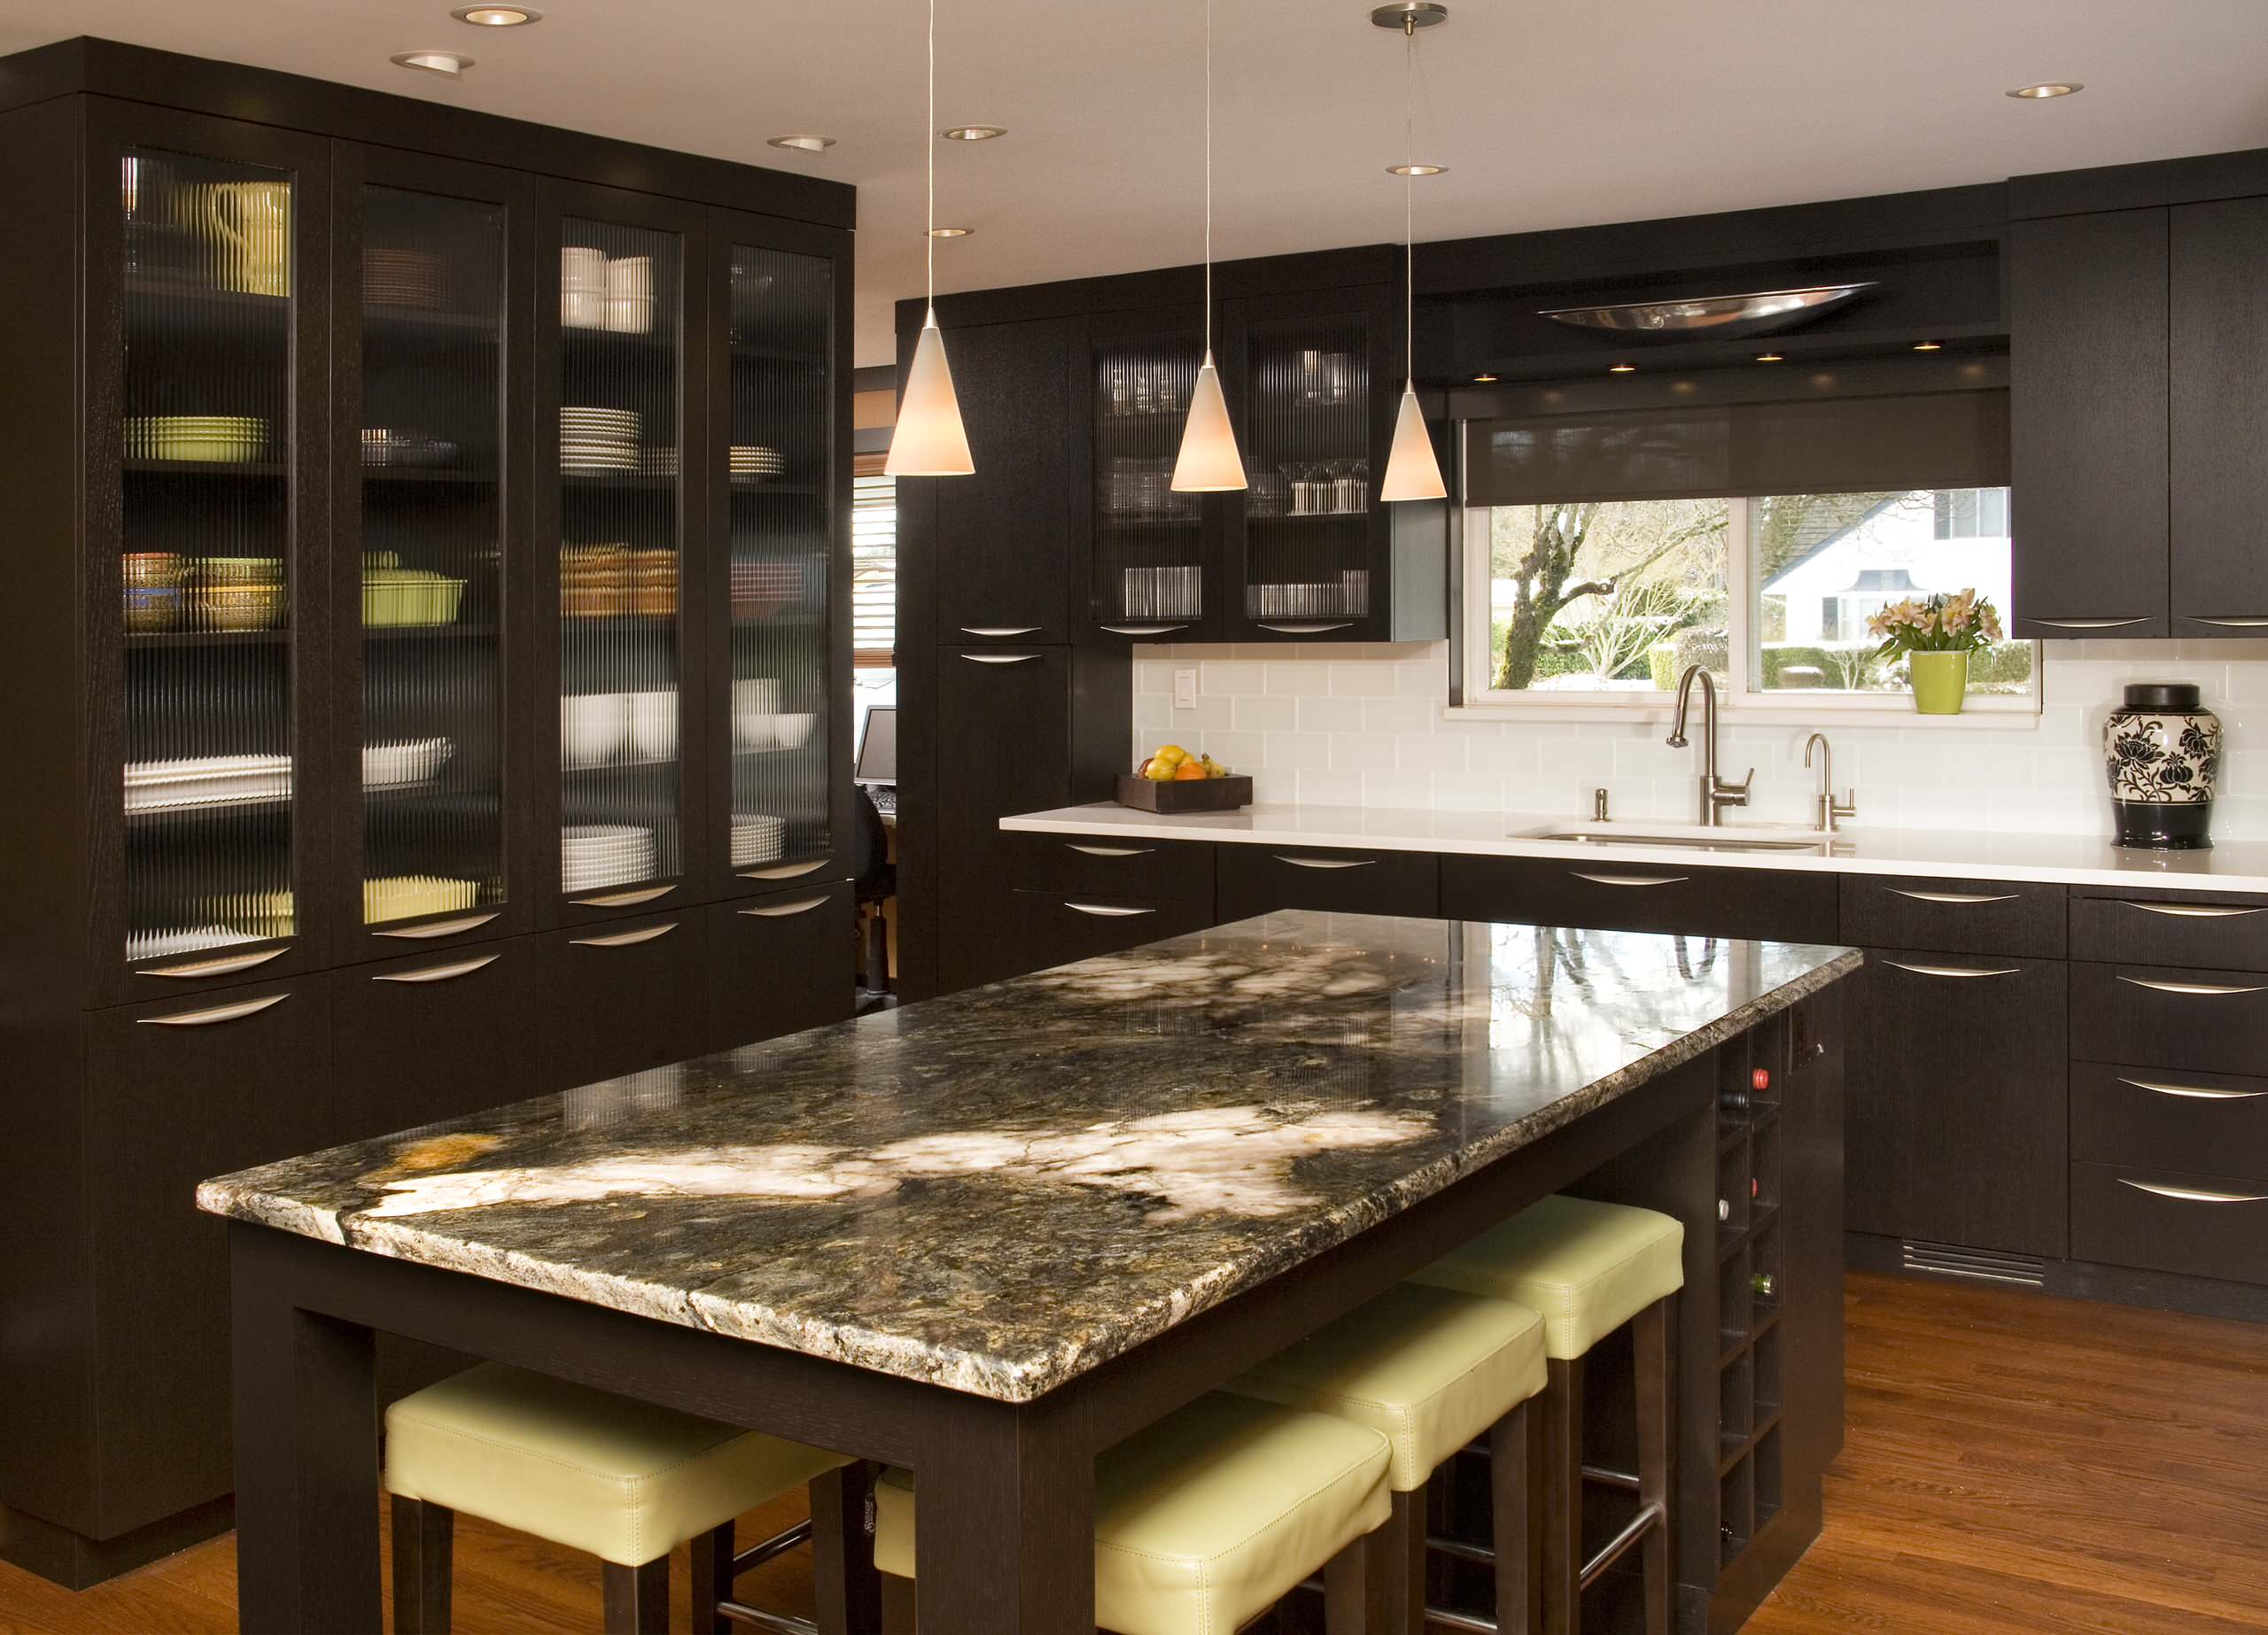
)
(754, 729)
(758, 695)
(653, 724)
(794, 731)
(592, 727)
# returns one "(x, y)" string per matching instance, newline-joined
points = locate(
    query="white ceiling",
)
(1550, 112)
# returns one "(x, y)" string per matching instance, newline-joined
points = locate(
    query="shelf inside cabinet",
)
(757, 352)
(389, 476)
(229, 469)
(428, 632)
(175, 641)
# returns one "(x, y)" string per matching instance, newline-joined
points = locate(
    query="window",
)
(873, 567)
(1608, 602)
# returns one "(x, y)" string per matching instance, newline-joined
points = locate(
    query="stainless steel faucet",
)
(1832, 811)
(1716, 793)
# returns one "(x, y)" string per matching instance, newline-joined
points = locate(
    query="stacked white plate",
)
(396, 277)
(207, 780)
(405, 761)
(592, 855)
(598, 439)
(160, 944)
(757, 838)
(754, 463)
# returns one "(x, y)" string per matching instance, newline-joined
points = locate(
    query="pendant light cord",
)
(1209, 175)
(1408, 202)
(930, 209)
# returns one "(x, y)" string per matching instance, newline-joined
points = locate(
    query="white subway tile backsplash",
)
(1266, 714)
(1329, 715)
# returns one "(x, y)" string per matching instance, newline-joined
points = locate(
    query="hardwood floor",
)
(2014, 1463)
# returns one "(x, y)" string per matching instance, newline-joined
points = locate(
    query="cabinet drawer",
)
(1057, 928)
(1620, 897)
(2151, 928)
(2155, 1016)
(2177, 1121)
(2169, 1220)
(1260, 880)
(620, 998)
(1961, 916)
(1113, 865)
(780, 963)
(432, 1036)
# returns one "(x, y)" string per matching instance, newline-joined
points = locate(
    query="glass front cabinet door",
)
(206, 274)
(617, 490)
(779, 476)
(1311, 395)
(429, 548)
(1153, 554)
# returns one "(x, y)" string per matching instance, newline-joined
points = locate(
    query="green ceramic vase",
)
(1940, 682)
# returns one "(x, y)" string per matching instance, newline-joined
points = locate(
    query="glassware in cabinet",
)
(1149, 561)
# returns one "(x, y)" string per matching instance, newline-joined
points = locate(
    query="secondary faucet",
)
(1830, 810)
(1716, 793)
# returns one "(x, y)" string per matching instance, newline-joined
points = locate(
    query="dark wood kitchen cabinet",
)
(775, 964)
(620, 998)
(1957, 1122)
(2217, 340)
(1704, 900)
(2089, 305)
(1260, 880)
(433, 1036)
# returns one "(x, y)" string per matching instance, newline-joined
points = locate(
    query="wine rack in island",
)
(1752, 1076)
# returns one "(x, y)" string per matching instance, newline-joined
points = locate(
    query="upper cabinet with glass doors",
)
(1153, 554)
(777, 479)
(207, 297)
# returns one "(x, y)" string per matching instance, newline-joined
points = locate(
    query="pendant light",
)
(930, 440)
(1411, 470)
(1208, 463)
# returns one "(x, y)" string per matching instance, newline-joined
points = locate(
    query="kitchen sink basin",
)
(1762, 837)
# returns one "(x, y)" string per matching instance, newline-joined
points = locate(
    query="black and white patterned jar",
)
(2162, 750)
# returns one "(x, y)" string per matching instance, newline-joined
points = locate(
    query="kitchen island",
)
(986, 1236)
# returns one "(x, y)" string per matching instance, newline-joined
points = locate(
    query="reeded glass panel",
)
(206, 695)
(778, 461)
(432, 530)
(620, 452)
(1148, 539)
(1308, 513)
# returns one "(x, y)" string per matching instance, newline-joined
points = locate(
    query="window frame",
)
(1473, 695)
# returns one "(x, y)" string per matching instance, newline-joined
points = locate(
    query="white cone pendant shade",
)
(1411, 471)
(930, 440)
(1210, 462)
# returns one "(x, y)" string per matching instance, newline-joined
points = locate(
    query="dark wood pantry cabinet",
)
(429, 638)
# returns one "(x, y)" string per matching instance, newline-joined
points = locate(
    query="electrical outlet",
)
(1184, 689)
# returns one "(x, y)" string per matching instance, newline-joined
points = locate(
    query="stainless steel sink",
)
(1762, 837)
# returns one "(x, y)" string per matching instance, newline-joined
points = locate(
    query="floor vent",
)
(1987, 1264)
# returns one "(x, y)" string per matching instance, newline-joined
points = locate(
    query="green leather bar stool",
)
(1430, 1369)
(1588, 1268)
(1207, 1519)
(625, 1480)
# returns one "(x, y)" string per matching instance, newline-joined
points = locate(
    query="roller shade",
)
(1942, 439)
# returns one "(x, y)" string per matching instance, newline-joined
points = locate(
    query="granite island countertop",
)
(2064, 859)
(997, 1190)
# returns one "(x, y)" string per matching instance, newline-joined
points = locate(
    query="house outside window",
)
(1599, 605)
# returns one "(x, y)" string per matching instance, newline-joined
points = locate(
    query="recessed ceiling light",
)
(1622, 369)
(1770, 356)
(973, 133)
(434, 62)
(1482, 380)
(497, 16)
(1927, 346)
(950, 232)
(2047, 88)
(802, 143)
(1417, 170)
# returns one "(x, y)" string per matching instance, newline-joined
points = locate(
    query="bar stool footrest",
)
(757, 1618)
(1637, 1528)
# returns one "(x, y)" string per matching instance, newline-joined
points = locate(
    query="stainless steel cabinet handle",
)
(1000, 658)
(1326, 863)
(1111, 851)
(1143, 630)
(442, 927)
(1900, 965)
(2193, 1092)
(2199, 618)
(623, 899)
(2195, 1195)
(627, 939)
(997, 630)
(217, 1013)
(442, 973)
(2191, 911)
(2091, 623)
(785, 871)
(1306, 630)
(780, 910)
(2208, 989)
(215, 967)
(1965, 898)
(1629, 880)
(1104, 910)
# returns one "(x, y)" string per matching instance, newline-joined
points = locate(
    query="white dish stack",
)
(755, 464)
(599, 292)
(598, 439)
(757, 838)
(207, 780)
(594, 855)
(408, 761)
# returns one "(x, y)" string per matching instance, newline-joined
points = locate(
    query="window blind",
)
(873, 567)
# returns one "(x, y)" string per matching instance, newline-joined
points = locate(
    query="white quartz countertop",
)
(2066, 859)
